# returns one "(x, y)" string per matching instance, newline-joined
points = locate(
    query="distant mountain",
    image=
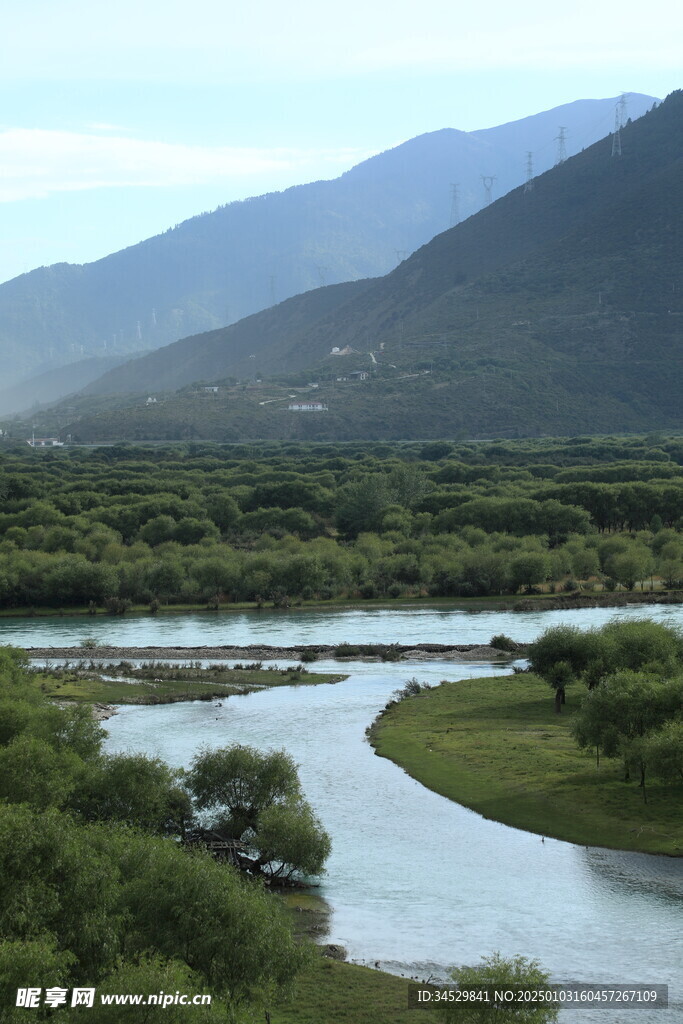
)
(52, 385)
(220, 267)
(556, 309)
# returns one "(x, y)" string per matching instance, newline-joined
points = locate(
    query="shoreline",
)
(495, 746)
(498, 602)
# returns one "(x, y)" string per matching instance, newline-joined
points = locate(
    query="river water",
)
(416, 882)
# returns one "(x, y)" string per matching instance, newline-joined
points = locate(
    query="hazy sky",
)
(121, 120)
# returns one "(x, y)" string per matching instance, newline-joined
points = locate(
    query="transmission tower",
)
(272, 289)
(561, 141)
(619, 122)
(529, 183)
(400, 255)
(138, 331)
(487, 181)
(455, 205)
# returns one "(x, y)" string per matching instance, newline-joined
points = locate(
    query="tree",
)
(569, 644)
(500, 973)
(26, 965)
(662, 751)
(630, 567)
(559, 677)
(55, 879)
(137, 789)
(223, 510)
(33, 772)
(158, 530)
(623, 709)
(585, 563)
(191, 530)
(289, 838)
(238, 783)
(165, 578)
(256, 797)
(528, 568)
(186, 905)
(361, 505)
(643, 644)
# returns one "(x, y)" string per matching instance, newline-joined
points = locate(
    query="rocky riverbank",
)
(301, 653)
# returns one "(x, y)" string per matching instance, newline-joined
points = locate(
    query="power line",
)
(455, 205)
(561, 140)
(487, 182)
(619, 122)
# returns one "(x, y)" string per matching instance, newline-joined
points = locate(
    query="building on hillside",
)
(212, 389)
(44, 442)
(307, 407)
(346, 351)
(361, 374)
(151, 400)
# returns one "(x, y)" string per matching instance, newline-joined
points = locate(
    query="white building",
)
(306, 407)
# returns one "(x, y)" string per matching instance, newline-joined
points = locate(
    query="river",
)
(415, 882)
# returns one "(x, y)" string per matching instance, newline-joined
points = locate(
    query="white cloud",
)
(35, 163)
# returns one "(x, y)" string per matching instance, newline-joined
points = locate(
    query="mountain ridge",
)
(220, 266)
(548, 306)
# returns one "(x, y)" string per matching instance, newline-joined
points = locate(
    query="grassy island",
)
(496, 746)
(160, 683)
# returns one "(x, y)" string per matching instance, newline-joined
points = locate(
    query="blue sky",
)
(119, 121)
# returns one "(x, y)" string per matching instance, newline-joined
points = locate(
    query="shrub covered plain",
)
(217, 525)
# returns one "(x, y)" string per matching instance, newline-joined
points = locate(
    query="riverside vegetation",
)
(208, 525)
(606, 771)
(101, 884)
(97, 885)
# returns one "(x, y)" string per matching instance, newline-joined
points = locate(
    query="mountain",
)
(556, 309)
(219, 267)
(52, 385)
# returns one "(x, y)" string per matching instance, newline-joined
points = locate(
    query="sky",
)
(119, 121)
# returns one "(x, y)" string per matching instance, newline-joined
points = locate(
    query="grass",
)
(331, 992)
(163, 684)
(495, 745)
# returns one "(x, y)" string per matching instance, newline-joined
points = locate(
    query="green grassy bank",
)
(495, 745)
(340, 993)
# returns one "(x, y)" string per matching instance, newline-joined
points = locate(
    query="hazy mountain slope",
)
(552, 311)
(427, 289)
(55, 384)
(222, 266)
(216, 354)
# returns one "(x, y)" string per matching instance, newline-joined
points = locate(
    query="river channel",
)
(415, 882)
